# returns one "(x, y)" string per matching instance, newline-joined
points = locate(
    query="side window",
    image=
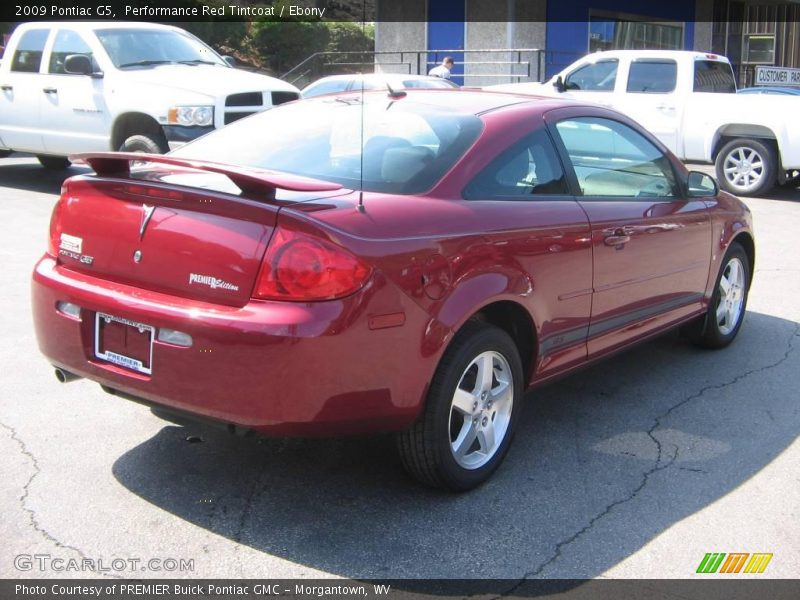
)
(66, 43)
(599, 76)
(28, 55)
(528, 168)
(611, 159)
(653, 76)
(713, 76)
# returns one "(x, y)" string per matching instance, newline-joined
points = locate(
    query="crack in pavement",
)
(34, 521)
(659, 464)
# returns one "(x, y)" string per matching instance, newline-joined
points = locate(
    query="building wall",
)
(500, 24)
(703, 27)
(568, 24)
(560, 28)
(395, 32)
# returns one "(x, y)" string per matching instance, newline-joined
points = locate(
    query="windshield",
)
(129, 48)
(408, 146)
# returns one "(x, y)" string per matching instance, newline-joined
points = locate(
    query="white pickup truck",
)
(76, 87)
(689, 101)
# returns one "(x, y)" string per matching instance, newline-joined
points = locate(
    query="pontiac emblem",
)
(147, 212)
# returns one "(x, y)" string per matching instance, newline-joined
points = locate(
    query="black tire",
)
(754, 174)
(144, 143)
(5, 153)
(710, 331)
(56, 163)
(427, 448)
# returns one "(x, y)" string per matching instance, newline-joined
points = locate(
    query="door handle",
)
(617, 240)
(665, 107)
(6, 87)
(50, 90)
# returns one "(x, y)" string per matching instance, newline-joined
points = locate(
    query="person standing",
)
(443, 70)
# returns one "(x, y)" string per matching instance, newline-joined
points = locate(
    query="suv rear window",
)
(713, 76)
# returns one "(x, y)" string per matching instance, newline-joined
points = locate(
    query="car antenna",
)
(395, 93)
(361, 171)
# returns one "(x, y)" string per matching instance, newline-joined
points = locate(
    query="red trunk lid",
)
(191, 228)
(195, 244)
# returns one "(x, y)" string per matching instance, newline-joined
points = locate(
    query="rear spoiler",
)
(249, 179)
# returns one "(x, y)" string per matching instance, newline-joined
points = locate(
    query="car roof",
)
(462, 101)
(373, 76)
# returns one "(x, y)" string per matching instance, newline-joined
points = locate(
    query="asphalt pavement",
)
(635, 468)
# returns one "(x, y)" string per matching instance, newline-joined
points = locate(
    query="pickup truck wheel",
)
(143, 143)
(56, 163)
(472, 408)
(719, 326)
(746, 167)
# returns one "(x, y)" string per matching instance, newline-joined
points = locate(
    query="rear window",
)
(713, 76)
(407, 146)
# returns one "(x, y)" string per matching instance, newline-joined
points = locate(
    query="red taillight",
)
(54, 241)
(301, 268)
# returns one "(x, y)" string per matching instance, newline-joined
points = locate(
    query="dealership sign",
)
(777, 76)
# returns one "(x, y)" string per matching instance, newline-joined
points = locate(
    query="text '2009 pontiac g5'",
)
(402, 262)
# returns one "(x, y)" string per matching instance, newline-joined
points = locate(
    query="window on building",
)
(611, 33)
(653, 76)
(759, 49)
(28, 55)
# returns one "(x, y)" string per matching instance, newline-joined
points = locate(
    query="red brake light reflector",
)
(301, 268)
(56, 228)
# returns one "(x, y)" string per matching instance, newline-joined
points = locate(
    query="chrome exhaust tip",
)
(65, 376)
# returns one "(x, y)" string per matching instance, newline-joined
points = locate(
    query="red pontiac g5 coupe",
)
(406, 262)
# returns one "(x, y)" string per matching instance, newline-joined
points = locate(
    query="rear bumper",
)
(275, 367)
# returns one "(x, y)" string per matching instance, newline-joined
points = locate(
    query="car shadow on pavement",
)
(603, 462)
(32, 177)
(789, 192)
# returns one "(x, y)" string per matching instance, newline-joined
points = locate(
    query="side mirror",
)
(230, 60)
(79, 64)
(559, 85)
(701, 185)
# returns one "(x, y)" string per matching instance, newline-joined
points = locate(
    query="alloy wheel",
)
(480, 411)
(744, 168)
(731, 296)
